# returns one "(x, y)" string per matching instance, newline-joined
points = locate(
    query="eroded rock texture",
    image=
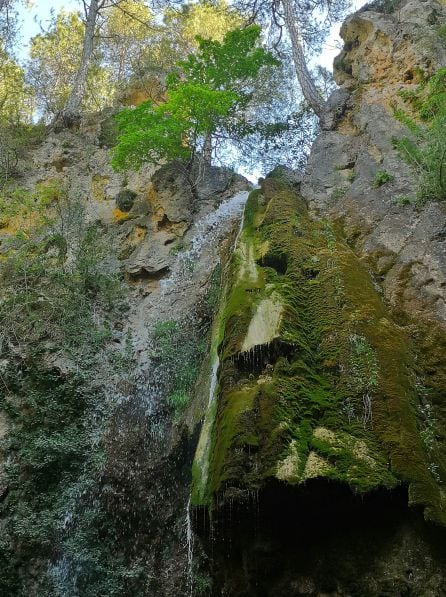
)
(321, 464)
(97, 446)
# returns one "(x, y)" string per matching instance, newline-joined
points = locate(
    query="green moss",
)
(332, 393)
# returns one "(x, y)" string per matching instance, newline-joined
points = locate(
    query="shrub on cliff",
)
(425, 148)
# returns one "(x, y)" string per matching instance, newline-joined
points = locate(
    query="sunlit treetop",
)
(207, 96)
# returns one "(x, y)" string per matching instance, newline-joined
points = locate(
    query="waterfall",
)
(216, 358)
(173, 301)
(207, 232)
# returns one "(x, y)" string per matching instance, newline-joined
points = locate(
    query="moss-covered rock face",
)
(316, 380)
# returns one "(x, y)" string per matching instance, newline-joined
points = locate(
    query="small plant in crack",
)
(363, 373)
(381, 178)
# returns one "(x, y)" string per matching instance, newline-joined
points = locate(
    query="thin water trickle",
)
(214, 378)
(190, 551)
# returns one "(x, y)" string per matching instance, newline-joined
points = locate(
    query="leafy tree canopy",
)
(208, 95)
(15, 95)
(55, 59)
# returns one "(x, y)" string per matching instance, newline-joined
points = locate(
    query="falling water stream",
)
(190, 269)
(207, 232)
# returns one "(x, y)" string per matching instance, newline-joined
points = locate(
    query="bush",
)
(125, 199)
(58, 302)
(180, 349)
(15, 141)
(425, 148)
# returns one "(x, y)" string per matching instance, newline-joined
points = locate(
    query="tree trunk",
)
(71, 112)
(306, 82)
(207, 149)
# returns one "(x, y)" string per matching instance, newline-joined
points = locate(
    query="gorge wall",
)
(200, 402)
(321, 464)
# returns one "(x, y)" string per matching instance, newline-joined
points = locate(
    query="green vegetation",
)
(338, 192)
(55, 58)
(209, 95)
(381, 178)
(327, 391)
(441, 32)
(179, 348)
(57, 310)
(16, 140)
(425, 148)
(405, 200)
(15, 94)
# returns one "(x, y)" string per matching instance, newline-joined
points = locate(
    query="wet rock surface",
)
(122, 530)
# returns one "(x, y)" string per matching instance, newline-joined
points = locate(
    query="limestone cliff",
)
(108, 285)
(194, 405)
(328, 415)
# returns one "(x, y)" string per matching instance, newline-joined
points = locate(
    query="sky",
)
(40, 13)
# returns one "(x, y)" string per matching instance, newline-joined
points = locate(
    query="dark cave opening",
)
(278, 262)
(319, 538)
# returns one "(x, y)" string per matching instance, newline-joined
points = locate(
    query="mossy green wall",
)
(330, 388)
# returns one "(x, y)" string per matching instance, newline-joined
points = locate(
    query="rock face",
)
(327, 417)
(317, 403)
(384, 54)
(299, 382)
(99, 411)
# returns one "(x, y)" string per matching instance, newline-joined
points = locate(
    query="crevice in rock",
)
(262, 356)
(164, 223)
(143, 274)
(311, 273)
(275, 261)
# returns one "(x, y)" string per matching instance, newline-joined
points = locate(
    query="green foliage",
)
(441, 32)
(405, 200)
(425, 148)
(57, 306)
(338, 192)
(351, 176)
(180, 349)
(125, 199)
(55, 60)
(181, 28)
(40, 296)
(15, 94)
(381, 178)
(208, 95)
(128, 33)
(363, 374)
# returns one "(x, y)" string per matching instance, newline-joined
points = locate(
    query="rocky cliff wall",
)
(386, 55)
(329, 412)
(108, 286)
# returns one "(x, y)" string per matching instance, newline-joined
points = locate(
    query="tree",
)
(8, 20)
(307, 23)
(202, 19)
(70, 112)
(125, 36)
(54, 64)
(172, 41)
(15, 96)
(208, 96)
